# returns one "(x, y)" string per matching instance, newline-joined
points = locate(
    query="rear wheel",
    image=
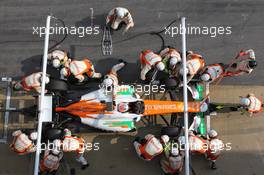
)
(170, 83)
(171, 131)
(57, 85)
(53, 133)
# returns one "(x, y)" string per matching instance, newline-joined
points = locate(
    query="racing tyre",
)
(74, 127)
(72, 171)
(171, 131)
(170, 83)
(57, 85)
(53, 133)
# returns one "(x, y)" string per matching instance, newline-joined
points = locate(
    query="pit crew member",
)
(79, 68)
(245, 63)
(213, 72)
(111, 79)
(22, 143)
(252, 104)
(76, 144)
(117, 16)
(150, 60)
(170, 57)
(31, 82)
(51, 159)
(59, 58)
(149, 147)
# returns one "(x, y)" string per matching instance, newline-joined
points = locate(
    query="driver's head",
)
(203, 107)
(123, 107)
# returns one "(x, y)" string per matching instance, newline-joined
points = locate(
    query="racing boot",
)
(122, 61)
(97, 75)
(234, 65)
(17, 86)
(213, 165)
(83, 161)
(137, 139)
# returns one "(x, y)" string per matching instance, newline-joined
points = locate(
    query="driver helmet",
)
(204, 107)
(123, 107)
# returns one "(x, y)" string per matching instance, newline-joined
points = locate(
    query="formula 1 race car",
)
(117, 110)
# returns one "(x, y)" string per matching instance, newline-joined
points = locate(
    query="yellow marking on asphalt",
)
(114, 140)
(21, 116)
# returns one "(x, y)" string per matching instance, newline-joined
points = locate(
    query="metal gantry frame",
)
(42, 95)
(8, 94)
(207, 117)
(185, 97)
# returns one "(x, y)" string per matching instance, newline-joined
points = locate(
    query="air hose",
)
(158, 33)
(65, 35)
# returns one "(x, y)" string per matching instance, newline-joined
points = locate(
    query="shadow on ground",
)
(117, 154)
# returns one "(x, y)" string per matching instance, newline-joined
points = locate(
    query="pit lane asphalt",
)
(20, 50)
(20, 53)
